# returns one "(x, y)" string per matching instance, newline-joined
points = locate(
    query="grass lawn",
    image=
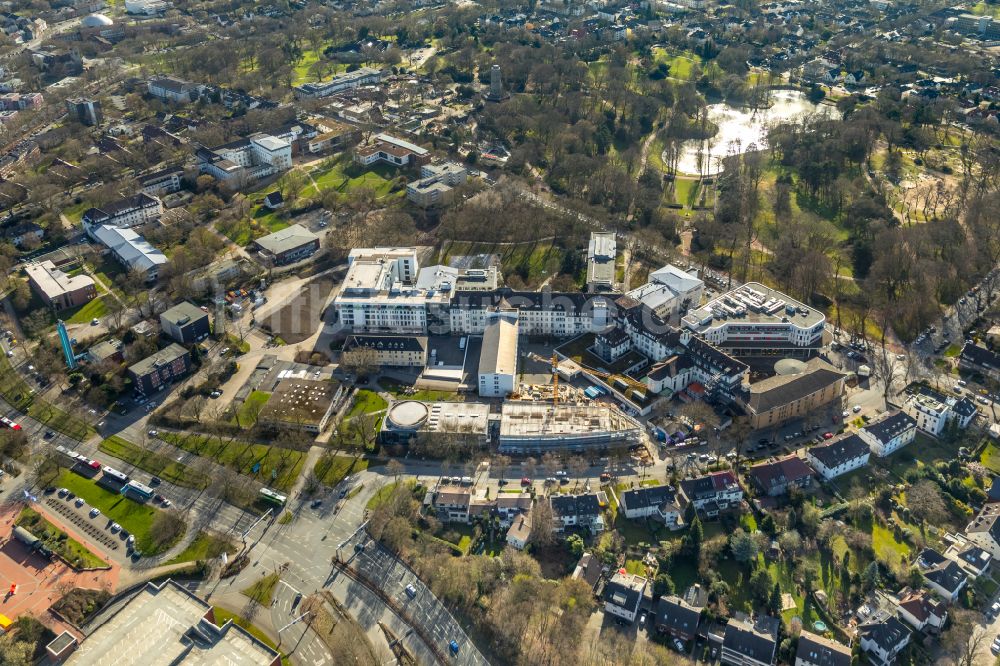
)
(331, 470)
(685, 191)
(278, 467)
(154, 463)
(953, 351)
(426, 395)
(222, 616)
(132, 516)
(366, 402)
(886, 547)
(680, 64)
(83, 314)
(921, 452)
(205, 546)
(381, 495)
(262, 590)
(16, 392)
(246, 415)
(69, 549)
(378, 178)
(991, 458)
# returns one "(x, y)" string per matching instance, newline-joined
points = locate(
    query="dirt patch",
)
(299, 318)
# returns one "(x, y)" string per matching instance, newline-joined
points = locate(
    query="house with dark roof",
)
(659, 502)
(577, 511)
(452, 503)
(676, 618)
(984, 529)
(943, 576)
(747, 643)
(980, 359)
(391, 350)
(973, 559)
(778, 477)
(274, 200)
(889, 434)
(623, 595)
(712, 493)
(588, 569)
(839, 456)
(922, 611)
(815, 650)
(884, 640)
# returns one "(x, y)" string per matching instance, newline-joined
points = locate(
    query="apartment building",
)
(889, 434)
(173, 89)
(436, 184)
(669, 291)
(400, 351)
(164, 181)
(782, 398)
(601, 254)
(246, 160)
(933, 411)
(839, 456)
(129, 212)
(754, 320)
(158, 370)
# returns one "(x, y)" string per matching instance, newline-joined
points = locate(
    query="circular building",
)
(789, 366)
(96, 21)
(407, 415)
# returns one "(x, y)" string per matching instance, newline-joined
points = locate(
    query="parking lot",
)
(113, 541)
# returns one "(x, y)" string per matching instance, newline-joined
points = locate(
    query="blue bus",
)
(137, 490)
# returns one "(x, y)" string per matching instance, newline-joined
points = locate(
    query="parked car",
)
(79, 502)
(411, 591)
(94, 513)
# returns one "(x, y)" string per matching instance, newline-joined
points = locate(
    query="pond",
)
(745, 126)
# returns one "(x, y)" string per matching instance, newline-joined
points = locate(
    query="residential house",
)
(676, 618)
(922, 611)
(274, 200)
(984, 529)
(814, 650)
(777, 478)
(839, 456)
(889, 434)
(451, 504)
(933, 411)
(508, 507)
(519, 532)
(623, 595)
(942, 575)
(750, 643)
(588, 569)
(658, 502)
(884, 640)
(577, 511)
(980, 359)
(712, 493)
(973, 559)
(23, 232)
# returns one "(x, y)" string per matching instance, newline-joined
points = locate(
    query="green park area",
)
(275, 466)
(366, 402)
(154, 463)
(58, 541)
(205, 546)
(331, 469)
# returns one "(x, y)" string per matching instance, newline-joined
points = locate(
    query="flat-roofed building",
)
(60, 290)
(332, 136)
(781, 398)
(185, 323)
(669, 291)
(158, 370)
(300, 404)
(498, 355)
(436, 184)
(755, 320)
(623, 595)
(601, 253)
(392, 150)
(534, 427)
(362, 76)
(288, 245)
(463, 422)
(166, 624)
